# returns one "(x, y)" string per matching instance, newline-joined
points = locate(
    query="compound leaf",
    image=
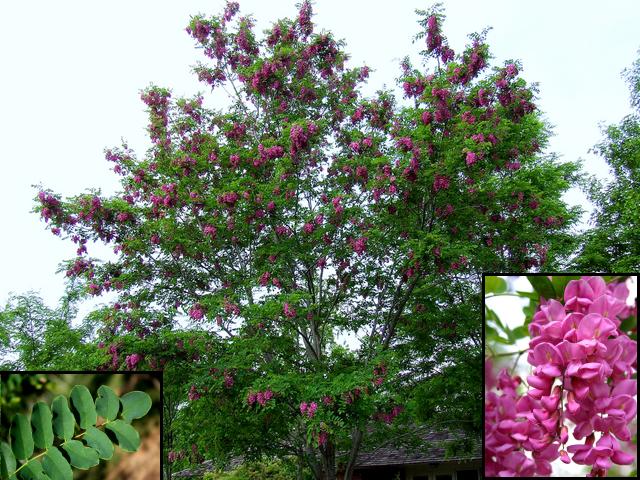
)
(82, 403)
(494, 285)
(80, 456)
(107, 403)
(63, 421)
(99, 440)
(21, 437)
(33, 471)
(41, 420)
(56, 466)
(127, 437)
(542, 285)
(135, 405)
(7, 460)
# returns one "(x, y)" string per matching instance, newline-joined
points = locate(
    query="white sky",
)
(72, 71)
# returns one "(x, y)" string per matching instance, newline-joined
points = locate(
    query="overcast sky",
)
(72, 71)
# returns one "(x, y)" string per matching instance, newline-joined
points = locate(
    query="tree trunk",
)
(300, 469)
(328, 460)
(356, 440)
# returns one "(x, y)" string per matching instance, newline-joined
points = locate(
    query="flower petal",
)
(622, 458)
(547, 353)
(549, 370)
(588, 325)
(625, 387)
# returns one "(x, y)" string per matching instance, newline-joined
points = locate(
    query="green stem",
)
(508, 354)
(46, 451)
(517, 360)
(491, 295)
(28, 461)
(97, 426)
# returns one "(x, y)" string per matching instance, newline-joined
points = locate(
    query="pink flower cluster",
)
(389, 417)
(197, 312)
(379, 373)
(210, 231)
(440, 182)
(288, 310)
(228, 379)
(360, 245)
(174, 456)
(194, 394)
(299, 138)
(308, 409)
(583, 367)
(229, 199)
(260, 397)
(133, 360)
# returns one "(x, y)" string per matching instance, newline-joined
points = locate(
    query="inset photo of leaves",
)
(82, 426)
(560, 375)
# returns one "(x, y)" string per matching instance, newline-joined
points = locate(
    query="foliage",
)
(18, 390)
(613, 244)
(55, 434)
(254, 242)
(39, 337)
(275, 469)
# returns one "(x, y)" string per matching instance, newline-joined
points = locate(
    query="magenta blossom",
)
(583, 366)
(289, 311)
(133, 360)
(360, 245)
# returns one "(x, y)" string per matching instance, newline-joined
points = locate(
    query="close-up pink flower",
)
(577, 402)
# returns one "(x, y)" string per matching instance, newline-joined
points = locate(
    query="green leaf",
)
(126, 436)
(56, 466)
(63, 421)
(560, 282)
(492, 335)
(107, 403)
(21, 438)
(33, 471)
(529, 311)
(99, 440)
(628, 323)
(491, 315)
(542, 285)
(80, 456)
(7, 460)
(494, 285)
(135, 405)
(531, 295)
(82, 403)
(41, 420)
(520, 332)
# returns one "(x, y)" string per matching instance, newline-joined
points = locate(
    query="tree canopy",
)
(305, 264)
(613, 243)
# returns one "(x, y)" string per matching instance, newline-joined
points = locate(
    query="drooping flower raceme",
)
(581, 380)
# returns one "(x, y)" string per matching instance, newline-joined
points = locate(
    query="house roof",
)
(434, 452)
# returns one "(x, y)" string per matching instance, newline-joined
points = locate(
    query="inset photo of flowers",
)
(560, 375)
(65, 426)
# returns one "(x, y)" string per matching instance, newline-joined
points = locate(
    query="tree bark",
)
(356, 440)
(328, 461)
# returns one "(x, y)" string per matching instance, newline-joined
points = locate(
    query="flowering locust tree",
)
(583, 357)
(303, 215)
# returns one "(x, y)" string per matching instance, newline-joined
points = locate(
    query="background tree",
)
(39, 337)
(305, 249)
(613, 243)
